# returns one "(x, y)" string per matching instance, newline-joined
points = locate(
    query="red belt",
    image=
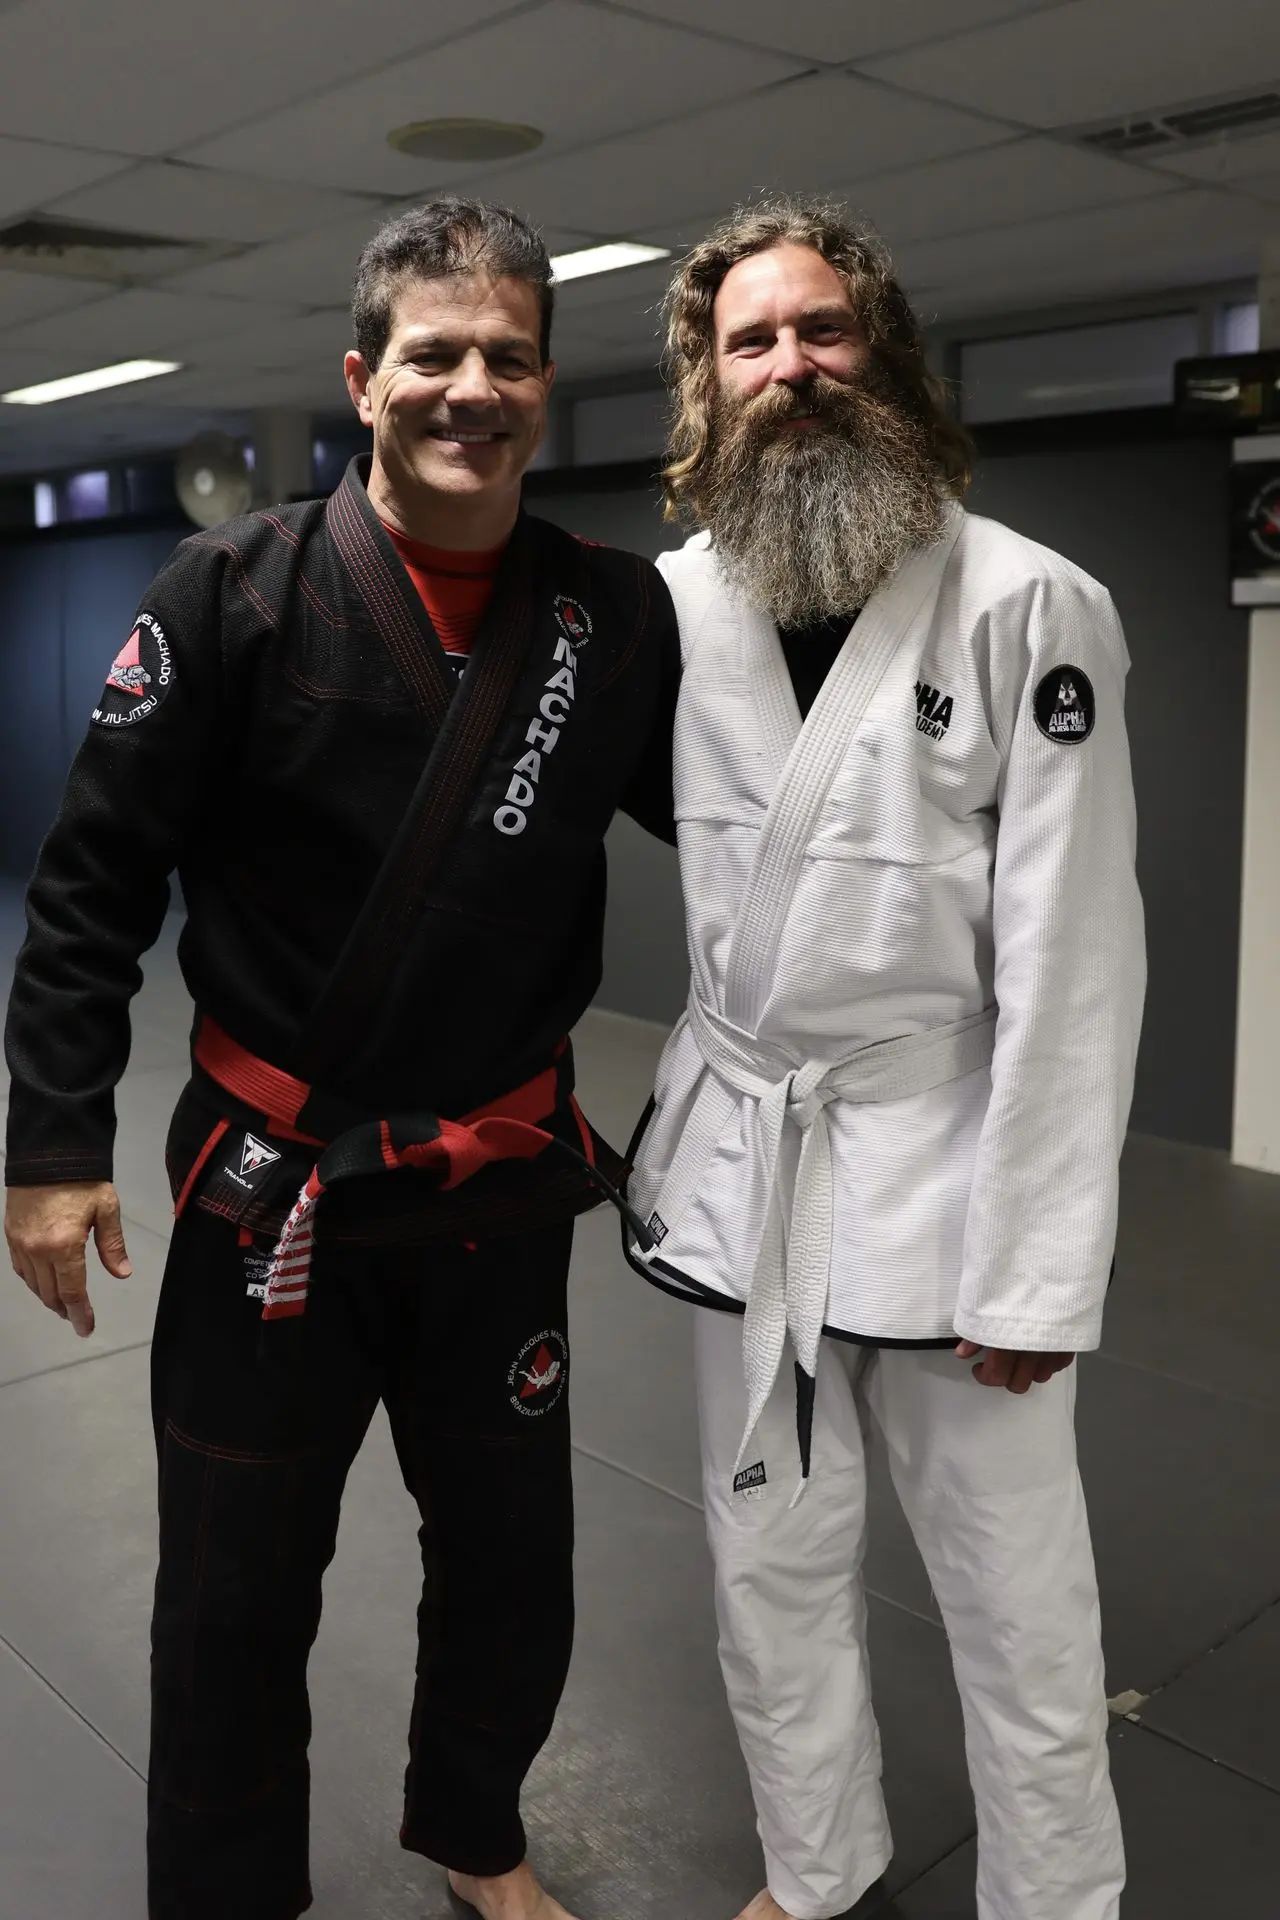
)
(507, 1128)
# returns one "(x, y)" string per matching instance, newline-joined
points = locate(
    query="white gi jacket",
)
(937, 866)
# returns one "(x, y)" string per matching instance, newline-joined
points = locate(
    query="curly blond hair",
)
(891, 328)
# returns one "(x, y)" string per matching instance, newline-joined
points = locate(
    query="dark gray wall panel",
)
(32, 756)
(1150, 521)
(65, 612)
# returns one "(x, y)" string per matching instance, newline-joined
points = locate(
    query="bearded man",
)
(887, 1128)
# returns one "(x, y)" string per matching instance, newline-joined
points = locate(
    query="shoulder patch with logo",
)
(1064, 705)
(572, 619)
(140, 677)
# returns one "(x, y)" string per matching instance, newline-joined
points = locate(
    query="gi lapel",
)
(466, 721)
(811, 765)
(389, 596)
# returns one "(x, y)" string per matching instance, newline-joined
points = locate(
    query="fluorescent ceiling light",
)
(606, 259)
(94, 382)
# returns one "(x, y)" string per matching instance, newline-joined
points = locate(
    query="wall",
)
(65, 606)
(1149, 518)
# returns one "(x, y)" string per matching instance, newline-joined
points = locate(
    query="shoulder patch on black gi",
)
(140, 677)
(538, 1373)
(1065, 706)
(572, 619)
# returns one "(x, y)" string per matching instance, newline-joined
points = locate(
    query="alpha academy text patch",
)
(1064, 705)
(140, 677)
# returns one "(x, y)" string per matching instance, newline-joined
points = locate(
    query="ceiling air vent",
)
(43, 245)
(1200, 124)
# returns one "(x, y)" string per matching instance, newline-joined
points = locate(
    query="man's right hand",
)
(48, 1230)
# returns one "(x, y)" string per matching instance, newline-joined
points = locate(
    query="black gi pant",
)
(256, 1427)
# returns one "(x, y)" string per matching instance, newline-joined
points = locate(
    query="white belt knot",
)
(791, 1277)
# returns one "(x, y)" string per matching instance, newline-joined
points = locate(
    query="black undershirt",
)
(810, 654)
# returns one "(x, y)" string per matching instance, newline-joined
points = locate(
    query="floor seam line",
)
(629, 1473)
(1206, 1653)
(1210, 1759)
(64, 1366)
(1177, 1380)
(29, 1666)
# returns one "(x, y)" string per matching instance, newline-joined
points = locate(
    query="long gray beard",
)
(809, 526)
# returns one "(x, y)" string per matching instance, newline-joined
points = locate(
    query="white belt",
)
(790, 1281)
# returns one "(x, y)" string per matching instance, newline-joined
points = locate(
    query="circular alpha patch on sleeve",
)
(140, 677)
(1065, 706)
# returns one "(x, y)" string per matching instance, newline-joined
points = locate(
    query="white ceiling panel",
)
(999, 186)
(315, 389)
(33, 172)
(571, 70)
(1095, 58)
(315, 270)
(314, 340)
(1081, 256)
(142, 322)
(635, 287)
(1230, 162)
(146, 76)
(196, 203)
(28, 296)
(826, 30)
(803, 135)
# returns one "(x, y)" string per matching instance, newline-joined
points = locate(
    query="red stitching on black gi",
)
(642, 620)
(250, 591)
(378, 589)
(341, 693)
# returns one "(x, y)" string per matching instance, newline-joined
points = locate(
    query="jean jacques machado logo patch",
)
(538, 1374)
(554, 709)
(140, 677)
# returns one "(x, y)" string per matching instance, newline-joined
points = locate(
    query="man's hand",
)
(1016, 1371)
(48, 1229)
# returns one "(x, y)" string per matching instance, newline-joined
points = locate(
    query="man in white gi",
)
(893, 1112)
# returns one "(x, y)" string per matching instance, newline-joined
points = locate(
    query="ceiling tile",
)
(196, 203)
(1226, 160)
(315, 269)
(817, 30)
(795, 137)
(1175, 240)
(32, 172)
(998, 186)
(142, 322)
(571, 70)
(315, 339)
(27, 296)
(145, 76)
(1095, 58)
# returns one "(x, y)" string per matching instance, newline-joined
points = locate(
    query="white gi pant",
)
(989, 1484)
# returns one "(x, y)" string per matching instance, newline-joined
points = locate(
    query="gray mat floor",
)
(639, 1806)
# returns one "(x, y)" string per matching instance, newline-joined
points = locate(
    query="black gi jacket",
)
(285, 731)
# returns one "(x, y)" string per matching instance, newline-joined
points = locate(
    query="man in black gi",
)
(394, 882)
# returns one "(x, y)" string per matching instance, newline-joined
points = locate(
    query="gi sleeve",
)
(1070, 975)
(648, 796)
(136, 791)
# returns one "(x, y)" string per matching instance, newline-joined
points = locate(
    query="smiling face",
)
(781, 318)
(458, 406)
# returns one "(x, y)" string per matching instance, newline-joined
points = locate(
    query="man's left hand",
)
(1018, 1372)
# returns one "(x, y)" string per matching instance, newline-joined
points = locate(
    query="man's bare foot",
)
(764, 1907)
(508, 1896)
